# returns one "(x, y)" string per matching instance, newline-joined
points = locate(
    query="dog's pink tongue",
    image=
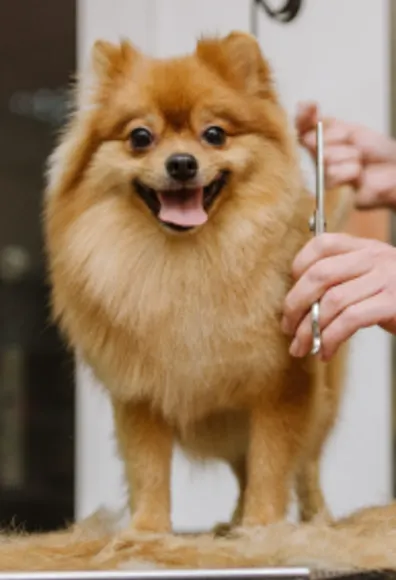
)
(183, 209)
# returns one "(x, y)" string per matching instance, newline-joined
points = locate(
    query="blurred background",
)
(57, 453)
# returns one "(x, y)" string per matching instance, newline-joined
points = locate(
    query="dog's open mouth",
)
(184, 208)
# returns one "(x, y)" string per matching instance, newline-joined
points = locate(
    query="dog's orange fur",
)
(184, 329)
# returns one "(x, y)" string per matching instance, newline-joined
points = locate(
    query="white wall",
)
(343, 62)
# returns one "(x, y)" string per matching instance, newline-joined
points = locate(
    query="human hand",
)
(353, 155)
(354, 279)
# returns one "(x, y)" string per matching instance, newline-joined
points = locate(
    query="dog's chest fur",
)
(191, 337)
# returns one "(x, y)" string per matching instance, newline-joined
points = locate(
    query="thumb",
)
(306, 117)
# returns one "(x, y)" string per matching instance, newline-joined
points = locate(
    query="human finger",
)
(325, 245)
(359, 315)
(331, 305)
(348, 172)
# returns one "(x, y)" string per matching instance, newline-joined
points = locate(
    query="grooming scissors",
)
(317, 225)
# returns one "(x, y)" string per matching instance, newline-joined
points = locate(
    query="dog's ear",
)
(110, 60)
(238, 60)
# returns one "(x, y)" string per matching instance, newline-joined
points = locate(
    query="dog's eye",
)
(141, 138)
(214, 136)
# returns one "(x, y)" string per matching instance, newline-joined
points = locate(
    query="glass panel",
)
(37, 59)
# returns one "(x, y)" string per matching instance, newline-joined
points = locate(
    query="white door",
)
(335, 52)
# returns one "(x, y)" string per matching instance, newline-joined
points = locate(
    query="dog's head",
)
(181, 137)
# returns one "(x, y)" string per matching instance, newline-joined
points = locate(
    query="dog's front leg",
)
(274, 446)
(145, 443)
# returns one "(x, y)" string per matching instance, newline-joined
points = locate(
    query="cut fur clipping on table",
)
(366, 540)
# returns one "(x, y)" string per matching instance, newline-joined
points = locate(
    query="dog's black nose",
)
(182, 166)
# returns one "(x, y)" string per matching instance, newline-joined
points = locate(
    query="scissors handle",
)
(318, 226)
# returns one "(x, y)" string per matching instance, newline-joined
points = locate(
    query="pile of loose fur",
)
(365, 540)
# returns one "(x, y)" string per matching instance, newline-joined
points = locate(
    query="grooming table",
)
(215, 574)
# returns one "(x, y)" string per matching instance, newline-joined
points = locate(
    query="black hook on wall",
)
(287, 13)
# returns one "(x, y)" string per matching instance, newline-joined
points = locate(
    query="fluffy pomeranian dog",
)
(175, 206)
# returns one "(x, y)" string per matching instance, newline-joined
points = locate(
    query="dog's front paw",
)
(151, 523)
(260, 520)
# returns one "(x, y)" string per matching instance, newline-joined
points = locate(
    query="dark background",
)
(37, 61)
